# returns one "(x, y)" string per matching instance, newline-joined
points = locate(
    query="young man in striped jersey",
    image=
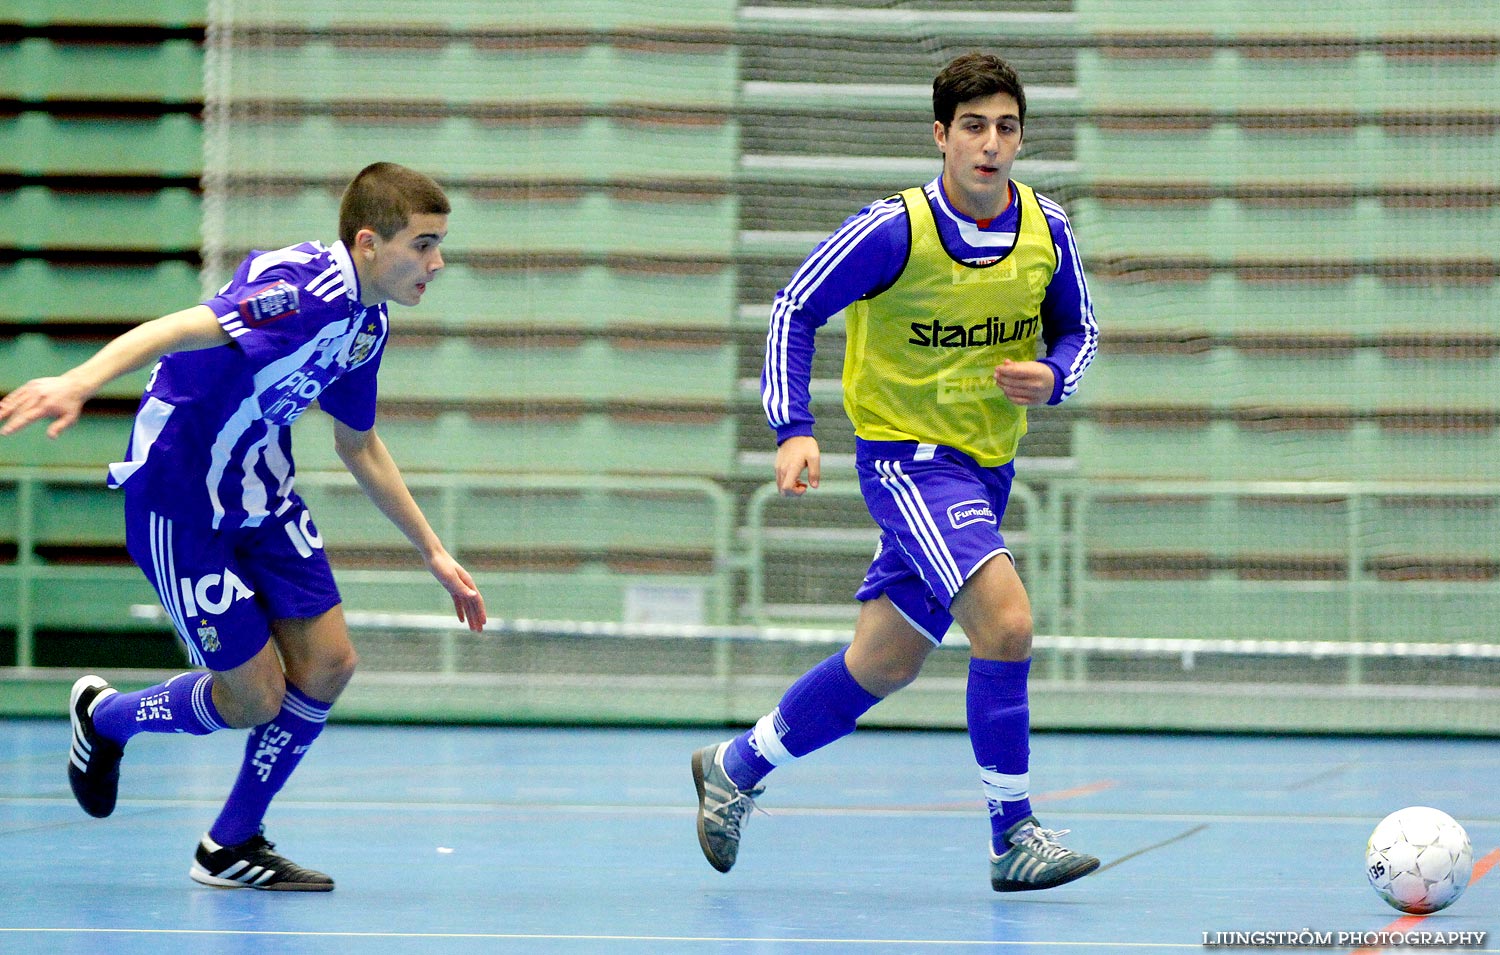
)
(212, 516)
(966, 304)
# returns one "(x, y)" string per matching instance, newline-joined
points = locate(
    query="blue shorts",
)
(222, 588)
(939, 515)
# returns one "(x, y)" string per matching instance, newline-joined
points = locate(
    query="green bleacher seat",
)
(1224, 153)
(1212, 528)
(1284, 610)
(111, 592)
(10, 514)
(70, 516)
(1281, 447)
(1308, 232)
(514, 369)
(34, 291)
(472, 71)
(519, 521)
(564, 438)
(579, 15)
(1226, 303)
(589, 147)
(555, 219)
(1283, 18)
(1285, 78)
(94, 442)
(34, 355)
(42, 70)
(38, 218)
(591, 592)
(165, 13)
(591, 296)
(1253, 375)
(35, 143)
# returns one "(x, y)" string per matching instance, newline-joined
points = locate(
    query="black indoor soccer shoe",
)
(1035, 860)
(253, 865)
(93, 761)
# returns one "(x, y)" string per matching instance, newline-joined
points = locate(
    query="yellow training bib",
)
(920, 357)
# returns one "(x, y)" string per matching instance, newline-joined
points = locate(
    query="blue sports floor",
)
(473, 840)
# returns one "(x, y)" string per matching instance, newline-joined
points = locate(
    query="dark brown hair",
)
(974, 76)
(384, 197)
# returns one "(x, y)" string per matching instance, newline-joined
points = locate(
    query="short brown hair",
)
(974, 76)
(384, 197)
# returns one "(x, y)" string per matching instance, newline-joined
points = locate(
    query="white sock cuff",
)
(766, 738)
(1005, 787)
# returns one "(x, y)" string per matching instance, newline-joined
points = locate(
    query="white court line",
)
(684, 810)
(540, 937)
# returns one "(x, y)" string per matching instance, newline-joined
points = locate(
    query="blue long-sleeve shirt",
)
(866, 256)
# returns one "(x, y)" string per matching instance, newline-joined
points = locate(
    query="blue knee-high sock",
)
(183, 704)
(272, 752)
(820, 707)
(1000, 733)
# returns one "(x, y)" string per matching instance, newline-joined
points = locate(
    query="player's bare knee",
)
(340, 668)
(324, 675)
(884, 673)
(900, 671)
(247, 706)
(1007, 636)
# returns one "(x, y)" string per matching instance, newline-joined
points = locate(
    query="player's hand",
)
(793, 457)
(1025, 382)
(468, 603)
(60, 399)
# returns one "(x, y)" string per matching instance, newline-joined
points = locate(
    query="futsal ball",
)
(1418, 859)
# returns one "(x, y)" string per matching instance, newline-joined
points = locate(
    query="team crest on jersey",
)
(277, 300)
(364, 343)
(208, 636)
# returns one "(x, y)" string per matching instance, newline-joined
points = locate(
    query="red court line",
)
(1087, 789)
(1407, 922)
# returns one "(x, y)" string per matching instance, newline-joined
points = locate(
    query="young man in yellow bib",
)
(966, 304)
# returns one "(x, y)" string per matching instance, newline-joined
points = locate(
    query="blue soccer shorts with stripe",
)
(222, 588)
(939, 514)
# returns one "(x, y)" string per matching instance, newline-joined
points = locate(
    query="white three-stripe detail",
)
(904, 492)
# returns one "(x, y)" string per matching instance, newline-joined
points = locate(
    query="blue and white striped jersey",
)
(213, 428)
(866, 256)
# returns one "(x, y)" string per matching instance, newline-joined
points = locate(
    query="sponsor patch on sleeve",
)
(277, 300)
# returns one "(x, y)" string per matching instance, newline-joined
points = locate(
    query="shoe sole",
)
(202, 876)
(1008, 886)
(82, 685)
(698, 772)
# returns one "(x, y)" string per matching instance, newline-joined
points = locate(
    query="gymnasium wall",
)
(1281, 466)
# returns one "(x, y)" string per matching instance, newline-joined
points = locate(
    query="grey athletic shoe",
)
(93, 761)
(253, 864)
(1035, 860)
(722, 807)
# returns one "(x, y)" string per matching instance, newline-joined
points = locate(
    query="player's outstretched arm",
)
(368, 459)
(60, 398)
(794, 456)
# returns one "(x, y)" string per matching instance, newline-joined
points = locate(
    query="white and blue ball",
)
(1419, 859)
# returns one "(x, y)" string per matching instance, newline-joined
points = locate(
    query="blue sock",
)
(1000, 733)
(272, 752)
(820, 707)
(183, 704)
